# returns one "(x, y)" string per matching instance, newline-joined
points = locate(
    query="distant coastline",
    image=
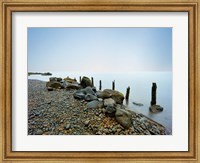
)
(39, 73)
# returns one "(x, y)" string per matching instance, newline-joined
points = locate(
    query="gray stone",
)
(99, 133)
(94, 89)
(79, 95)
(39, 132)
(123, 117)
(155, 108)
(49, 88)
(137, 104)
(86, 123)
(54, 84)
(109, 101)
(110, 110)
(103, 95)
(88, 90)
(73, 86)
(67, 127)
(115, 95)
(90, 97)
(52, 79)
(100, 99)
(94, 104)
(59, 79)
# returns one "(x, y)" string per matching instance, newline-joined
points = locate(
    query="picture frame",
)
(10, 6)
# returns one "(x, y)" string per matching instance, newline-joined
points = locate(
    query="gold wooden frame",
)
(9, 6)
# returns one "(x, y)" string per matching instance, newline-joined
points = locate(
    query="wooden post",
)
(99, 84)
(113, 85)
(153, 94)
(80, 79)
(92, 81)
(127, 102)
(127, 93)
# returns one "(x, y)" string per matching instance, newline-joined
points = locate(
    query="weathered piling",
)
(80, 79)
(92, 81)
(127, 93)
(153, 94)
(127, 102)
(113, 85)
(99, 84)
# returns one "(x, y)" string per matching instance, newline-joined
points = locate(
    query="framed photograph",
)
(99, 81)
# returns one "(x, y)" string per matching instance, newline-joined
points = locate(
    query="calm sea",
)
(140, 90)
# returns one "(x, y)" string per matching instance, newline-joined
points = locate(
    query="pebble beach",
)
(57, 112)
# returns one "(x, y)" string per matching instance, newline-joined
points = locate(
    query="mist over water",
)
(140, 90)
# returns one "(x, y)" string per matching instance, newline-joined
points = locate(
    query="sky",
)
(99, 50)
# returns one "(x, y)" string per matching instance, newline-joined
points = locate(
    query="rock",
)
(99, 133)
(67, 127)
(90, 97)
(70, 80)
(54, 84)
(115, 95)
(118, 106)
(123, 117)
(110, 110)
(94, 104)
(39, 132)
(59, 79)
(94, 89)
(49, 88)
(137, 104)
(100, 99)
(103, 95)
(109, 101)
(79, 95)
(55, 79)
(88, 90)
(73, 86)
(52, 79)
(113, 130)
(86, 123)
(155, 108)
(85, 82)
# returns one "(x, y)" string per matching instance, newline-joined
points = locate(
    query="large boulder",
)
(88, 90)
(115, 95)
(94, 104)
(110, 110)
(59, 79)
(103, 95)
(52, 79)
(155, 108)
(49, 89)
(90, 97)
(109, 101)
(73, 86)
(123, 117)
(55, 79)
(70, 80)
(54, 84)
(94, 89)
(85, 82)
(79, 95)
